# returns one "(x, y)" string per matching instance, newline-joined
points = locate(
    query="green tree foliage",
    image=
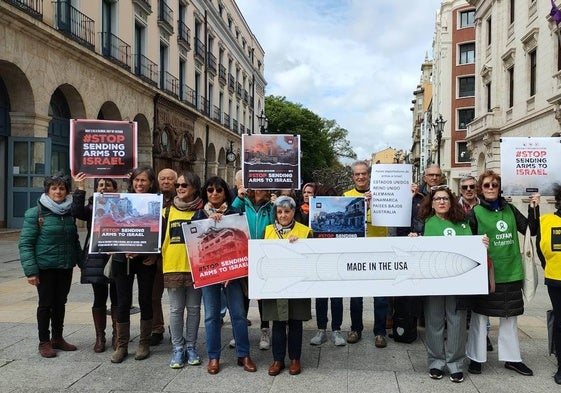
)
(323, 142)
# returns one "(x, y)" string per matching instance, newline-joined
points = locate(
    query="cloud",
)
(354, 61)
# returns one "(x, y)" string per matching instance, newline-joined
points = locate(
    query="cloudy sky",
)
(354, 61)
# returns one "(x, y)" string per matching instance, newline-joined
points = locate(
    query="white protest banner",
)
(374, 266)
(391, 201)
(530, 165)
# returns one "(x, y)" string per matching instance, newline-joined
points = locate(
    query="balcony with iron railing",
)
(251, 101)
(202, 106)
(245, 96)
(169, 83)
(200, 49)
(188, 96)
(32, 7)
(147, 70)
(211, 63)
(235, 126)
(216, 114)
(242, 129)
(74, 24)
(116, 50)
(222, 74)
(226, 120)
(239, 89)
(183, 35)
(165, 16)
(231, 82)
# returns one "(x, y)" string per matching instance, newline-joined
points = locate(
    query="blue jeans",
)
(212, 303)
(380, 313)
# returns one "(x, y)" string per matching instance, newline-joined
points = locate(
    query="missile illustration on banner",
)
(284, 265)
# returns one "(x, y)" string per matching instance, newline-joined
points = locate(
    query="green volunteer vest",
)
(504, 249)
(435, 226)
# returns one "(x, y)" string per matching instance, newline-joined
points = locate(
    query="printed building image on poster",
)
(126, 223)
(391, 201)
(217, 250)
(337, 217)
(271, 162)
(530, 165)
(103, 148)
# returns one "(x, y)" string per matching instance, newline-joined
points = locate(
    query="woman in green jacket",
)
(49, 249)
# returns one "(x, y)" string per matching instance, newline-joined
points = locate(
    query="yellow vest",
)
(371, 230)
(174, 253)
(550, 245)
(301, 231)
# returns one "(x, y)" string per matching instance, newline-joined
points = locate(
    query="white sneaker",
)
(319, 338)
(265, 341)
(338, 339)
(232, 343)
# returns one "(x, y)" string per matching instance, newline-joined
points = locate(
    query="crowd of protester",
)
(456, 327)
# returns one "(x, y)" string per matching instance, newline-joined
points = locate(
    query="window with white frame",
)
(467, 53)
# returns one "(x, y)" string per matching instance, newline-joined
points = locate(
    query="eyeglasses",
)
(440, 199)
(218, 190)
(182, 185)
(468, 187)
(490, 185)
(433, 174)
(439, 188)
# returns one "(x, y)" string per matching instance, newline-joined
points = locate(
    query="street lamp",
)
(438, 127)
(263, 122)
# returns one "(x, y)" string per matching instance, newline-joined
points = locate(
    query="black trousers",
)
(281, 338)
(102, 292)
(53, 288)
(555, 297)
(124, 280)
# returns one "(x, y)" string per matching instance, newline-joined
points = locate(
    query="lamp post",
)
(263, 122)
(438, 128)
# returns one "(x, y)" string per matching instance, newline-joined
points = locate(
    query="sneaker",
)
(319, 338)
(338, 339)
(232, 343)
(193, 358)
(474, 367)
(177, 358)
(457, 377)
(354, 337)
(519, 367)
(489, 345)
(380, 341)
(265, 341)
(435, 373)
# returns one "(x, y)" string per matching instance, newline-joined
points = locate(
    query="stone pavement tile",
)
(369, 357)
(20, 312)
(422, 383)
(231, 378)
(513, 382)
(310, 380)
(55, 373)
(381, 381)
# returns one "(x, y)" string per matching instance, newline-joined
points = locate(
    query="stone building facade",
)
(189, 72)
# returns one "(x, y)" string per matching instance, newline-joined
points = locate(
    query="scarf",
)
(209, 209)
(283, 230)
(305, 208)
(57, 208)
(180, 204)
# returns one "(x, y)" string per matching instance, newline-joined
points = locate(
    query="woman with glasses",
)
(259, 212)
(177, 272)
(287, 314)
(217, 203)
(443, 216)
(94, 264)
(49, 249)
(125, 268)
(501, 222)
